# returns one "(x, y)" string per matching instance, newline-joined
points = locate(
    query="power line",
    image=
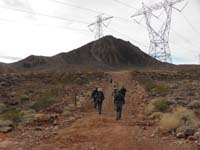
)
(124, 35)
(190, 24)
(63, 27)
(124, 4)
(75, 6)
(89, 10)
(44, 15)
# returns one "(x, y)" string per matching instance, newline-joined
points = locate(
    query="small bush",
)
(43, 103)
(148, 84)
(194, 105)
(12, 114)
(180, 118)
(160, 105)
(153, 87)
(162, 89)
(156, 105)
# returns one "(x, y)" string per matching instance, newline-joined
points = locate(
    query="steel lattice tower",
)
(159, 36)
(98, 25)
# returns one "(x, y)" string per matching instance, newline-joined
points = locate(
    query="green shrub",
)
(156, 105)
(43, 103)
(160, 104)
(12, 114)
(162, 89)
(152, 86)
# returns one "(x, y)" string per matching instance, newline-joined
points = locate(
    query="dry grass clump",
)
(180, 118)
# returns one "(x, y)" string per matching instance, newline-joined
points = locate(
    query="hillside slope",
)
(107, 51)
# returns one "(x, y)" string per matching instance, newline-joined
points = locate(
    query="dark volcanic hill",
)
(107, 51)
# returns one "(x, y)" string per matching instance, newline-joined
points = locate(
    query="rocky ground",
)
(70, 122)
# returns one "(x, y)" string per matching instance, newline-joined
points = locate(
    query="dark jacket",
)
(123, 91)
(119, 98)
(99, 96)
(94, 93)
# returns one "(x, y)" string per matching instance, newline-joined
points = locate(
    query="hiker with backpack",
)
(99, 99)
(115, 90)
(93, 96)
(119, 101)
(123, 91)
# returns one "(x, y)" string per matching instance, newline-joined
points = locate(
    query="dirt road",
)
(103, 132)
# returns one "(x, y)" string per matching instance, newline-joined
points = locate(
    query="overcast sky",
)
(48, 27)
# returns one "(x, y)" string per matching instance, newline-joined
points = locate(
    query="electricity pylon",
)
(159, 36)
(98, 25)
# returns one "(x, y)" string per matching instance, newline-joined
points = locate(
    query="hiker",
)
(115, 90)
(99, 99)
(94, 97)
(123, 91)
(119, 101)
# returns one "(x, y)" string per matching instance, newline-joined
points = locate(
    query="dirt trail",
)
(103, 132)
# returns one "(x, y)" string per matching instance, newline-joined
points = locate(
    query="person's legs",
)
(120, 112)
(95, 103)
(117, 111)
(99, 107)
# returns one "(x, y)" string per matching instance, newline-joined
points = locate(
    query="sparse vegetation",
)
(181, 118)
(194, 105)
(13, 114)
(43, 103)
(161, 89)
(156, 105)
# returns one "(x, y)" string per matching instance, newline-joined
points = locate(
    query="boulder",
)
(192, 138)
(6, 123)
(5, 129)
(189, 132)
(6, 126)
(180, 135)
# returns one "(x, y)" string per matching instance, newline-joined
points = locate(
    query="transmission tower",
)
(99, 24)
(159, 36)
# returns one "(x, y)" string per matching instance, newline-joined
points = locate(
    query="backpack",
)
(99, 96)
(119, 98)
(115, 93)
(94, 93)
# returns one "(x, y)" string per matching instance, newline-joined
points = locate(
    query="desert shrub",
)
(180, 118)
(148, 84)
(156, 105)
(194, 105)
(169, 121)
(160, 104)
(12, 114)
(156, 115)
(153, 87)
(162, 89)
(24, 98)
(43, 103)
